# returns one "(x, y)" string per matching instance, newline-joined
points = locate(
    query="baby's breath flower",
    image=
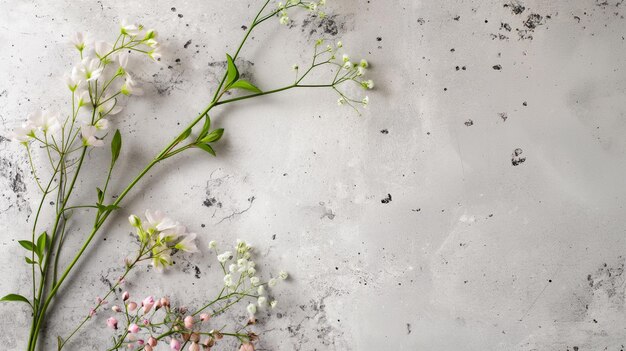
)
(261, 301)
(364, 63)
(341, 101)
(251, 308)
(283, 275)
(272, 282)
(212, 244)
(368, 84)
(365, 101)
(79, 40)
(254, 281)
(273, 303)
(340, 44)
(225, 256)
(228, 280)
(347, 65)
(345, 58)
(261, 290)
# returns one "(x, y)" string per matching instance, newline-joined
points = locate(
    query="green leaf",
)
(185, 135)
(206, 148)
(15, 297)
(100, 194)
(29, 261)
(213, 136)
(205, 127)
(60, 343)
(116, 146)
(233, 73)
(244, 84)
(42, 244)
(27, 244)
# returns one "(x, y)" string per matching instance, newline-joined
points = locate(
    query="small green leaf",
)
(205, 127)
(100, 194)
(29, 261)
(185, 135)
(206, 148)
(60, 343)
(15, 297)
(42, 244)
(213, 136)
(233, 73)
(27, 244)
(116, 146)
(244, 84)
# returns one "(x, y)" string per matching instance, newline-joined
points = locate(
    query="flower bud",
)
(125, 295)
(116, 308)
(188, 322)
(133, 328)
(205, 317)
(147, 304)
(134, 221)
(175, 345)
(148, 348)
(194, 347)
(112, 323)
(132, 306)
(152, 341)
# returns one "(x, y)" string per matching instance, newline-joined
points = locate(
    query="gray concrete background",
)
(471, 253)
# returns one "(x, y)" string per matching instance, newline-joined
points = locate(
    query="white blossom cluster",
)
(311, 6)
(161, 235)
(240, 276)
(96, 83)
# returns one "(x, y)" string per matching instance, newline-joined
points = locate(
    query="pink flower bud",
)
(165, 302)
(188, 322)
(132, 306)
(152, 341)
(205, 317)
(246, 347)
(133, 328)
(125, 295)
(140, 342)
(130, 346)
(92, 312)
(146, 322)
(147, 304)
(175, 345)
(147, 348)
(112, 323)
(194, 347)
(116, 308)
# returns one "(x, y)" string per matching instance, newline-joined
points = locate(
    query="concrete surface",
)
(496, 134)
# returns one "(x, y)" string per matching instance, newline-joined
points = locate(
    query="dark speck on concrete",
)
(244, 27)
(197, 273)
(173, 9)
(187, 44)
(384, 131)
(516, 7)
(503, 115)
(469, 123)
(517, 158)
(497, 67)
(180, 15)
(386, 200)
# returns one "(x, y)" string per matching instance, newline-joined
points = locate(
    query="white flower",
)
(129, 29)
(45, 121)
(89, 136)
(367, 84)
(261, 301)
(187, 244)
(103, 48)
(232, 268)
(339, 44)
(272, 282)
(261, 290)
(254, 281)
(90, 68)
(159, 221)
(284, 19)
(212, 244)
(82, 97)
(283, 275)
(360, 71)
(341, 101)
(228, 280)
(73, 79)
(122, 58)
(134, 221)
(102, 124)
(162, 260)
(348, 65)
(251, 309)
(153, 43)
(172, 234)
(251, 270)
(24, 133)
(364, 63)
(365, 101)
(78, 40)
(150, 34)
(225, 256)
(155, 53)
(130, 87)
(273, 303)
(345, 58)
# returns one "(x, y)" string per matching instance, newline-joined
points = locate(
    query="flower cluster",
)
(96, 83)
(311, 6)
(160, 235)
(153, 321)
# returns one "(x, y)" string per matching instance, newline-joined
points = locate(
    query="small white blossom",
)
(232, 268)
(73, 79)
(251, 309)
(254, 281)
(368, 84)
(102, 124)
(45, 121)
(130, 87)
(261, 301)
(122, 58)
(225, 256)
(364, 63)
(103, 48)
(339, 44)
(283, 275)
(79, 41)
(134, 221)
(212, 244)
(345, 58)
(90, 69)
(261, 290)
(24, 133)
(273, 303)
(158, 221)
(228, 280)
(187, 244)
(89, 136)
(365, 101)
(347, 65)
(341, 101)
(272, 282)
(129, 29)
